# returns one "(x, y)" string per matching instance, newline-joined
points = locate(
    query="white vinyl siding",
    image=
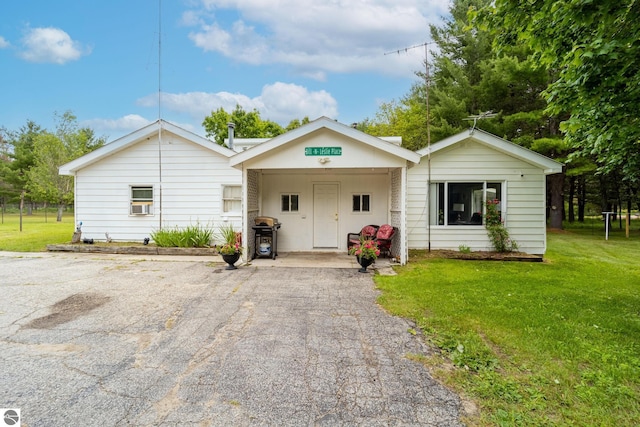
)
(191, 189)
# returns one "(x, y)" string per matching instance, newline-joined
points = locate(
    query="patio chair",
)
(368, 232)
(384, 235)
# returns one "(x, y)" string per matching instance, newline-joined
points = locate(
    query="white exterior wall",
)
(192, 180)
(523, 207)
(296, 233)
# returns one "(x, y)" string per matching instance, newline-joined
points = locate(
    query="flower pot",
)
(231, 260)
(364, 263)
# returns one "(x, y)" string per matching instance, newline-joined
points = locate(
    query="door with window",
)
(325, 216)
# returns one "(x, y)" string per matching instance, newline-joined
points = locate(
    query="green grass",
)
(37, 231)
(553, 343)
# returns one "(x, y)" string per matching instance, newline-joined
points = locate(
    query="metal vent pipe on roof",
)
(231, 127)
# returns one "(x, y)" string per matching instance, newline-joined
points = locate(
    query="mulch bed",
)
(476, 256)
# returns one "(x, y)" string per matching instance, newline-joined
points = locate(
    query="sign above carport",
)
(323, 151)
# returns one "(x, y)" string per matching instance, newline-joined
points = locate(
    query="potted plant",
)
(366, 253)
(231, 249)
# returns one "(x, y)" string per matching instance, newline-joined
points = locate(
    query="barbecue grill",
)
(266, 243)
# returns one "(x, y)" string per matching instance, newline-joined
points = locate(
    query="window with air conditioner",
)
(141, 201)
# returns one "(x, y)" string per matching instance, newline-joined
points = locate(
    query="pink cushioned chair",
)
(384, 235)
(368, 232)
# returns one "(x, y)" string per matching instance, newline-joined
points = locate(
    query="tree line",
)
(30, 158)
(560, 77)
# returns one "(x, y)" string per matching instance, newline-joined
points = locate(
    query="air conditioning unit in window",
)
(140, 209)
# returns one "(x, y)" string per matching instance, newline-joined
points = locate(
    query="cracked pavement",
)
(184, 342)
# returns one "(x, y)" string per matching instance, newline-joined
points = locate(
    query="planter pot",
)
(231, 260)
(364, 263)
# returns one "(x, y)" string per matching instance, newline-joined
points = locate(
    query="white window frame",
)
(140, 205)
(360, 209)
(437, 216)
(290, 207)
(232, 199)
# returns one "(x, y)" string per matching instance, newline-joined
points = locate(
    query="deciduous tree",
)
(594, 48)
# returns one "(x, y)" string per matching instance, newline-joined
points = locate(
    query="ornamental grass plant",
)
(192, 236)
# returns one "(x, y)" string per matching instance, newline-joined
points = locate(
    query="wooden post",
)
(628, 223)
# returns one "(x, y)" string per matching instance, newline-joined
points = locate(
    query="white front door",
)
(325, 216)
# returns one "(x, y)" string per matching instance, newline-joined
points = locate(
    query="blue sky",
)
(286, 58)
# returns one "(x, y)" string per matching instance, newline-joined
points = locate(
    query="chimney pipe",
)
(231, 127)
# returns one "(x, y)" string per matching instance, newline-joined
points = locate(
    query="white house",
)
(322, 181)
(158, 176)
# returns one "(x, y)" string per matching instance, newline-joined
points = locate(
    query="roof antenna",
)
(475, 117)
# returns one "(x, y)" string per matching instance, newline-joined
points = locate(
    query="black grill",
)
(266, 230)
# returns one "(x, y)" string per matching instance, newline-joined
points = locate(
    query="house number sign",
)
(323, 151)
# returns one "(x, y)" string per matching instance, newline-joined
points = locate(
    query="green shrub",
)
(498, 233)
(193, 236)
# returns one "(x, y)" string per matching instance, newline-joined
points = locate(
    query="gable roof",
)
(324, 123)
(549, 165)
(135, 137)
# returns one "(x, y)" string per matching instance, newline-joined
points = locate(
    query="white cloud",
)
(319, 37)
(280, 102)
(4, 43)
(51, 45)
(125, 124)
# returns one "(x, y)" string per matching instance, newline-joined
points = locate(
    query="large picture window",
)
(462, 203)
(141, 202)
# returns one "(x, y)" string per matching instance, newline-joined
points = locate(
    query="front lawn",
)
(553, 343)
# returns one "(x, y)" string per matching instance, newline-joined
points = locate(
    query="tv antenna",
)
(475, 117)
(427, 79)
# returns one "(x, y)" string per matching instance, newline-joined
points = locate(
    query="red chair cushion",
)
(368, 231)
(384, 232)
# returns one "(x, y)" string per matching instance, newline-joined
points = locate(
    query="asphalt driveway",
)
(117, 340)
